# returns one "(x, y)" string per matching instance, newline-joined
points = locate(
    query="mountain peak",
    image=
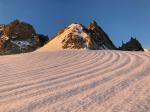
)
(77, 36)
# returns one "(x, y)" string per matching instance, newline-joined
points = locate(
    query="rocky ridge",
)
(21, 37)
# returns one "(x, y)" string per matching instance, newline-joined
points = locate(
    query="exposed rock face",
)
(43, 39)
(132, 45)
(76, 36)
(19, 37)
(100, 37)
(1, 29)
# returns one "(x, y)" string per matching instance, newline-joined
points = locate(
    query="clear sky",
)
(120, 19)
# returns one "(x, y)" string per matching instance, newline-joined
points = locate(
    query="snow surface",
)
(75, 81)
(147, 50)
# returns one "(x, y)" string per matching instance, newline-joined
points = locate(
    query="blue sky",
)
(121, 19)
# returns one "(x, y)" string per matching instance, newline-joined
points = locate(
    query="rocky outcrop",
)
(75, 37)
(1, 29)
(132, 45)
(19, 37)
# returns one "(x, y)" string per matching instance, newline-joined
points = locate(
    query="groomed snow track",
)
(75, 81)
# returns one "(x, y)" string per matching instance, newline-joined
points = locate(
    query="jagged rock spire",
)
(132, 45)
(100, 36)
(93, 25)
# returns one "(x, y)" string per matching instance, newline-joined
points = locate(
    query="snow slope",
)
(147, 50)
(75, 81)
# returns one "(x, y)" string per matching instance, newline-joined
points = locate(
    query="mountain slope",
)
(76, 36)
(57, 42)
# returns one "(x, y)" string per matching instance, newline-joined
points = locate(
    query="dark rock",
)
(18, 29)
(99, 36)
(73, 42)
(132, 45)
(43, 39)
